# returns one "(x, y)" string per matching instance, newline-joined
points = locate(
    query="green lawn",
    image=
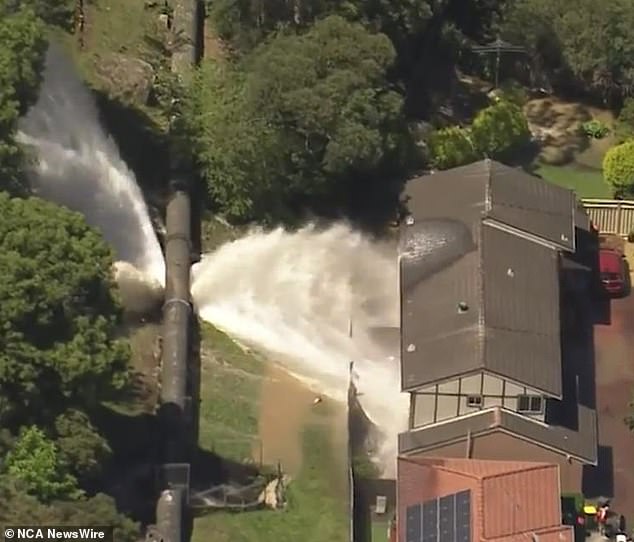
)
(586, 182)
(317, 498)
(380, 531)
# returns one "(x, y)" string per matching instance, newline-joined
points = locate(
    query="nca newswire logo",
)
(45, 533)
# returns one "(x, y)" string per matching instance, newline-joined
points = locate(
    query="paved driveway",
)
(614, 357)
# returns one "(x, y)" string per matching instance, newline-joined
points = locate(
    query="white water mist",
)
(294, 295)
(78, 165)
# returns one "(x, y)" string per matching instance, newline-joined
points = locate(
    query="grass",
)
(586, 182)
(230, 381)
(117, 26)
(379, 531)
(317, 498)
(315, 511)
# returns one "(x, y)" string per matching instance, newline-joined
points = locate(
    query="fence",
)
(611, 216)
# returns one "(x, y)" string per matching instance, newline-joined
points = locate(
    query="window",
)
(533, 404)
(474, 401)
(380, 506)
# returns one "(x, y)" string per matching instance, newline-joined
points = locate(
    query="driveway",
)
(614, 357)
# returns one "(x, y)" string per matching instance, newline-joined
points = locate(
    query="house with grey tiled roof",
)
(488, 253)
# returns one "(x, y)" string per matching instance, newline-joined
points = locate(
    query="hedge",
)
(618, 168)
(500, 129)
(451, 147)
(497, 131)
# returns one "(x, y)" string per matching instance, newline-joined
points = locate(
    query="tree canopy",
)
(582, 44)
(21, 60)
(24, 509)
(35, 462)
(302, 116)
(59, 312)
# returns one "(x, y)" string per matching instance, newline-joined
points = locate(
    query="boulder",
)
(127, 78)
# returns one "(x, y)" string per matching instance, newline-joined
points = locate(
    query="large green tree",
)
(579, 44)
(21, 60)
(80, 445)
(20, 508)
(59, 312)
(303, 117)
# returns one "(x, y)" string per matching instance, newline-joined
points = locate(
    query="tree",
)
(618, 168)
(21, 62)
(500, 129)
(580, 43)
(20, 508)
(59, 312)
(36, 463)
(54, 12)
(80, 445)
(304, 116)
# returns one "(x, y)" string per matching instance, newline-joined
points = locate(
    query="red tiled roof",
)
(512, 497)
(476, 468)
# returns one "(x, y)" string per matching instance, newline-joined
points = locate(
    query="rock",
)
(127, 78)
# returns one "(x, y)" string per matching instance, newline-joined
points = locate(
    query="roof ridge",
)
(530, 467)
(439, 466)
(482, 342)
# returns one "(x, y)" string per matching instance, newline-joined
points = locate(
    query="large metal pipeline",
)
(177, 307)
(169, 511)
(176, 411)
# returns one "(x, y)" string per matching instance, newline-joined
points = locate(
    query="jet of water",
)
(78, 165)
(294, 295)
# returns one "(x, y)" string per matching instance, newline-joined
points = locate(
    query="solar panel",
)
(430, 521)
(413, 524)
(446, 519)
(463, 516)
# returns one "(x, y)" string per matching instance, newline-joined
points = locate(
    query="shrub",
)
(451, 147)
(595, 128)
(500, 129)
(618, 167)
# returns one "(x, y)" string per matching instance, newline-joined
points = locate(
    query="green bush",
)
(618, 168)
(595, 128)
(500, 129)
(451, 147)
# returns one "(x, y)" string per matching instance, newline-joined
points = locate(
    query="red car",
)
(612, 267)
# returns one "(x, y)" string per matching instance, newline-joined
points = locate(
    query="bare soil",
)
(285, 404)
(557, 123)
(287, 407)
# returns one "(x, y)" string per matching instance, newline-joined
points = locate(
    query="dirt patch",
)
(557, 123)
(145, 363)
(285, 405)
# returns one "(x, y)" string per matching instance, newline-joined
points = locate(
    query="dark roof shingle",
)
(451, 260)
